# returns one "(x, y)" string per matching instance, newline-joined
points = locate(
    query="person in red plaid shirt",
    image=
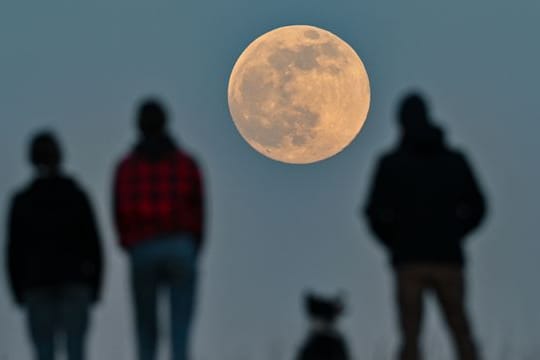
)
(158, 208)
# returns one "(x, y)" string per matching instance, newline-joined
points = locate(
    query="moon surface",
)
(299, 94)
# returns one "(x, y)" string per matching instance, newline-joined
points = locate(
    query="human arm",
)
(15, 251)
(93, 264)
(380, 208)
(471, 206)
(198, 205)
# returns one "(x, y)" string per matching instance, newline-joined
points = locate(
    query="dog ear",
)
(309, 300)
(306, 297)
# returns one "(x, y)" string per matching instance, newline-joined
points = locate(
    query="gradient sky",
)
(275, 229)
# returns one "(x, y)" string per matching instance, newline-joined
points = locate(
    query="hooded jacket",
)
(424, 200)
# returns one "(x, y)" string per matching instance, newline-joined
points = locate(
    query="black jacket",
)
(424, 200)
(53, 238)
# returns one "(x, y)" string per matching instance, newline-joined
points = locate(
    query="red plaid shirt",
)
(153, 198)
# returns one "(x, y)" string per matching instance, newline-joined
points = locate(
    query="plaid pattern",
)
(153, 198)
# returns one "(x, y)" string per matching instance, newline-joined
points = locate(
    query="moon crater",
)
(299, 94)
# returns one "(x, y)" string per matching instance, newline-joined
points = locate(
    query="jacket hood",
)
(155, 148)
(426, 139)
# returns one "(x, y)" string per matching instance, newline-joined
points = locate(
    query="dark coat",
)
(424, 200)
(53, 238)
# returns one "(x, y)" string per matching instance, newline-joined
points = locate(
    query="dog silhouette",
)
(324, 341)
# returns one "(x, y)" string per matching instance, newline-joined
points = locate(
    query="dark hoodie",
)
(424, 200)
(53, 239)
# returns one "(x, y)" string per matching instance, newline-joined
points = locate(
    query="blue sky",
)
(275, 229)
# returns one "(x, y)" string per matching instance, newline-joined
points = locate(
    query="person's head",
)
(151, 119)
(413, 112)
(45, 152)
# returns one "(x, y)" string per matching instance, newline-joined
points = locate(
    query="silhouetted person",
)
(54, 254)
(158, 199)
(424, 201)
(324, 342)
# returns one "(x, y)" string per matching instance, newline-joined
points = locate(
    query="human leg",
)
(145, 283)
(42, 322)
(75, 304)
(449, 286)
(409, 291)
(180, 272)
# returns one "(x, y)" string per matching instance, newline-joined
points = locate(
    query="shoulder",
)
(187, 159)
(390, 159)
(19, 197)
(126, 163)
(72, 189)
(74, 185)
(69, 181)
(457, 156)
(23, 193)
(126, 160)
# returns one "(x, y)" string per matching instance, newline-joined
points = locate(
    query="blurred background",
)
(275, 229)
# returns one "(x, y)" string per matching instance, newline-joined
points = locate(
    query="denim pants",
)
(164, 263)
(58, 311)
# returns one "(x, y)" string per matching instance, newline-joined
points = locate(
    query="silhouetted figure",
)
(54, 254)
(424, 201)
(324, 342)
(159, 216)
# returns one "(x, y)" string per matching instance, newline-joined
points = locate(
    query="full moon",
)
(299, 94)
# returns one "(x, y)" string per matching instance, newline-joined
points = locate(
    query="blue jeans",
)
(163, 263)
(58, 311)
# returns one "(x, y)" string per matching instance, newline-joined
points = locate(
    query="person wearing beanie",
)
(54, 251)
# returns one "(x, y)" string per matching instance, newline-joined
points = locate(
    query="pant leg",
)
(75, 304)
(449, 287)
(409, 291)
(180, 273)
(42, 322)
(145, 283)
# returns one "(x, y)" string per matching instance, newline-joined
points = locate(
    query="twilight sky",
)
(275, 229)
